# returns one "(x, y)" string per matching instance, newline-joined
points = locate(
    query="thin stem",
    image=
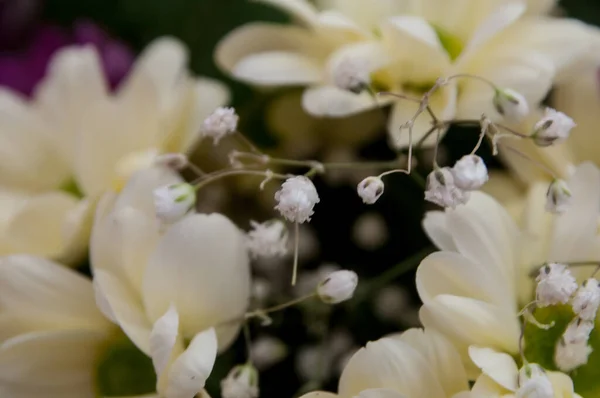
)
(401, 96)
(241, 137)
(512, 131)
(197, 170)
(595, 271)
(248, 342)
(521, 154)
(435, 149)
(467, 75)
(521, 340)
(228, 173)
(480, 141)
(279, 307)
(296, 246)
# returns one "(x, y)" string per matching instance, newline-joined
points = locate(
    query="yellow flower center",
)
(451, 43)
(540, 345)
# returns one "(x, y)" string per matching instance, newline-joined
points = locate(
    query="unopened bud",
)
(442, 190)
(534, 383)
(175, 161)
(470, 173)
(173, 201)
(558, 197)
(241, 382)
(296, 199)
(223, 121)
(337, 287)
(370, 189)
(553, 128)
(587, 300)
(268, 239)
(511, 105)
(555, 285)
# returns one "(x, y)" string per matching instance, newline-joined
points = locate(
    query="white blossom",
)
(553, 128)
(511, 105)
(221, 122)
(337, 287)
(241, 382)
(173, 201)
(175, 161)
(470, 173)
(570, 356)
(587, 300)
(555, 285)
(268, 239)
(558, 197)
(370, 189)
(442, 190)
(534, 383)
(351, 74)
(296, 199)
(578, 331)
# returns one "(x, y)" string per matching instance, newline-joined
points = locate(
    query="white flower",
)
(511, 105)
(74, 140)
(370, 189)
(442, 190)
(470, 173)
(268, 239)
(165, 286)
(587, 300)
(337, 287)
(558, 197)
(175, 161)
(351, 74)
(172, 202)
(570, 356)
(553, 128)
(296, 199)
(534, 383)
(555, 285)
(417, 364)
(223, 121)
(241, 382)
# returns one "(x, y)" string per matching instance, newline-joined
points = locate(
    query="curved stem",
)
(279, 307)
(296, 246)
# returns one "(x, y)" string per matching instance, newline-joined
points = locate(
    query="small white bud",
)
(268, 239)
(241, 382)
(578, 331)
(587, 300)
(555, 285)
(351, 74)
(553, 128)
(470, 173)
(442, 191)
(296, 199)
(534, 383)
(573, 350)
(337, 287)
(175, 161)
(221, 122)
(267, 351)
(558, 197)
(511, 105)
(173, 201)
(370, 189)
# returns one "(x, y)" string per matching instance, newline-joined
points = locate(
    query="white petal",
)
(330, 101)
(485, 386)
(274, 68)
(436, 227)
(380, 393)
(301, 10)
(320, 394)
(562, 384)
(162, 339)
(190, 370)
(192, 263)
(499, 366)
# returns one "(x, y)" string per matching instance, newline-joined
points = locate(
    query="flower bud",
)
(241, 382)
(173, 201)
(553, 128)
(558, 197)
(296, 199)
(534, 383)
(555, 285)
(442, 190)
(337, 287)
(268, 239)
(470, 173)
(370, 189)
(587, 300)
(351, 74)
(223, 121)
(175, 161)
(510, 104)
(573, 350)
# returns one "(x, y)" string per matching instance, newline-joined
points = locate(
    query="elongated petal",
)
(330, 101)
(189, 372)
(162, 339)
(319, 394)
(275, 68)
(437, 229)
(380, 393)
(301, 10)
(499, 366)
(485, 386)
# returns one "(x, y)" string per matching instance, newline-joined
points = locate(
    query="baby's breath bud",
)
(511, 105)
(470, 173)
(442, 190)
(558, 197)
(351, 74)
(570, 356)
(296, 199)
(221, 122)
(370, 189)
(268, 239)
(555, 285)
(337, 287)
(553, 128)
(578, 331)
(587, 300)
(175, 161)
(241, 382)
(534, 383)
(173, 201)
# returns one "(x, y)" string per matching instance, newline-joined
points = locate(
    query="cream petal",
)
(192, 263)
(339, 28)
(389, 363)
(330, 101)
(163, 338)
(126, 308)
(507, 190)
(320, 394)
(499, 366)
(380, 393)
(562, 384)
(486, 387)
(373, 53)
(275, 68)
(301, 10)
(188, 374)
(10, 203)
(55, 296)
(436, 227)
(368, 16)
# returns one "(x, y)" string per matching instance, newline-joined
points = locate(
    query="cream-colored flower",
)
(75, 140)
(406, 46)
(415, 364)
(177, 291)
(475, 287)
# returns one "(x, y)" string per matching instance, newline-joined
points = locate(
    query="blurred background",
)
(382, 243)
